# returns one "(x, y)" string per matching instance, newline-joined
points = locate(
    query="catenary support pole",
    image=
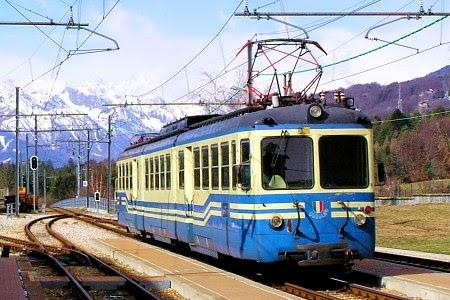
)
(88, 166)
(36, 172)
(108, 184)
(17, 151)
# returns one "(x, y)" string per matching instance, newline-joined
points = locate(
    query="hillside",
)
(421, 94)
(418, 95)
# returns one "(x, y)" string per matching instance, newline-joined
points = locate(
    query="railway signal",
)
(97, 196)
(34, 162)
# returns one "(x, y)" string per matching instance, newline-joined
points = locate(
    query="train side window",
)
(119, 173)
(162, 171)
(205, 167)
(181, 169)
(168, 174)
(215, 166)
(147, 185)
(126, 176)
(152, 175)
(131, 176)
(225, 166)
(156, 172)
(123, 176)
(197, 168)
(245, 164)
(234, 163)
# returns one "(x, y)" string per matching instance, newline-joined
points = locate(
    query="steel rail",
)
(306, 293)
(95, 221)
(79, 288)
(131, 284)
(33, 238)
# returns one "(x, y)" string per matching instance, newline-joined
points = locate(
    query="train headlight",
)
(360, 219)
(276, 222)
(315, 111)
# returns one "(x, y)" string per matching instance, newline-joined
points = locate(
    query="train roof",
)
(195, 128)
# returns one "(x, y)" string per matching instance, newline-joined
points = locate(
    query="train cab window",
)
(245, 163)
(168, 174)
(205, 168)
(215, 167)
(287, 163)
(147, 174)
(181, 169)
(162, 171)
(197, 168)
(343, 162)
(225, 165)
(157, 173)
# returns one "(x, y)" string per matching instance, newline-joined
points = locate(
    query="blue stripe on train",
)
(255, 239)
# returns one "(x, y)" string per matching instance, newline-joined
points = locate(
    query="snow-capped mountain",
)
(89, 99)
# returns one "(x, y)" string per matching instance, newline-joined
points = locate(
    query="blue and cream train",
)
(287, 183)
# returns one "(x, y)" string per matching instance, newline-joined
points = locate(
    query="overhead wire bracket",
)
(417, 17)
(258, 17)
(87, 51)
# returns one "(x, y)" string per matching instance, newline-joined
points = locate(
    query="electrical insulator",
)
(336, 96)
(341, 96)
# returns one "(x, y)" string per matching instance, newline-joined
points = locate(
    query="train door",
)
(134, 187)
(168, 201)
(191, 159)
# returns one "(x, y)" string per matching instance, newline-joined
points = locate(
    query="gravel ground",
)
(80, 233)
(13, 226)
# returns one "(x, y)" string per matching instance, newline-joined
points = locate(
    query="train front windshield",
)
(287, 162)
(343, 162)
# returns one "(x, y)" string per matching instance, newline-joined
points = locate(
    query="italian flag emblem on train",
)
(318, 207)
(319, 211)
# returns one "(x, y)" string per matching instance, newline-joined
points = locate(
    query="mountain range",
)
(88, 102)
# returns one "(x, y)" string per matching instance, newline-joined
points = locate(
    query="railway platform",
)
(192, 279)
(413, 281)
(10, 284)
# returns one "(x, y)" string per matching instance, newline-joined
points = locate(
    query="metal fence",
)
(408, 190)
(94, 206)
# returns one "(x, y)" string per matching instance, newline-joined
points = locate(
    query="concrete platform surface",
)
(419, 254)
(414, 282)
(191, 278)
(10, 283)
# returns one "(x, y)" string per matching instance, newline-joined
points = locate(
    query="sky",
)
(158, 39)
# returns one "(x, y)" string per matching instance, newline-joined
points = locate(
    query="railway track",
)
(430, 264)
(104, 223)
(76, 266)
(344, 290)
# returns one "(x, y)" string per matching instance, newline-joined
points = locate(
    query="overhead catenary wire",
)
(37, 27)
(368, 51)
(74, 51)
(412, 117)
(193, 58)
(386, 64)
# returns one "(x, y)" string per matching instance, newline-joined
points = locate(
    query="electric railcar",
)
(288, 183)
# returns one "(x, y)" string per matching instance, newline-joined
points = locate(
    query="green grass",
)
(423, 227)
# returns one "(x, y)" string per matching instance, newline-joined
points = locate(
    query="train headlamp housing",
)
(276, 222)
(315, 110)
(360, 219)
